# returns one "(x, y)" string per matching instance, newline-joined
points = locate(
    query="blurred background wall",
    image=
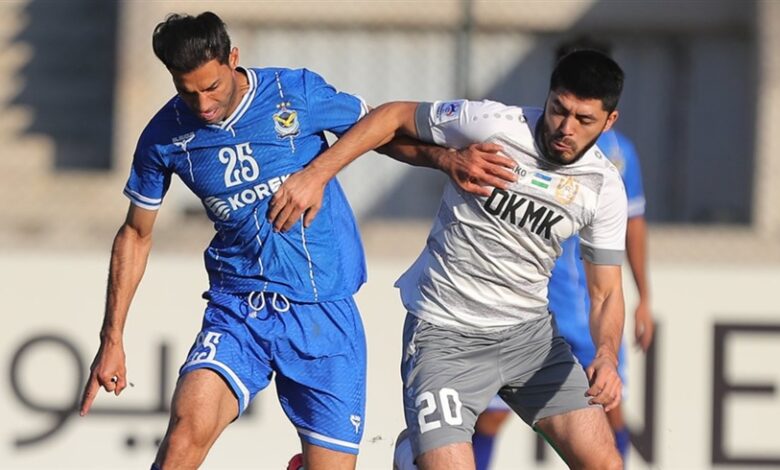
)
(78, 82)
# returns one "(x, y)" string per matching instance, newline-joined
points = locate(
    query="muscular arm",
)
(391, 129)
(636, 251)
(606, 328)
(129, 255)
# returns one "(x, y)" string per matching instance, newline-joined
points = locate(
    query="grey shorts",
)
(450, 377)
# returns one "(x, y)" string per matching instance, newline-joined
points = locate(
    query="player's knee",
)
(190, 433)
(608, 460)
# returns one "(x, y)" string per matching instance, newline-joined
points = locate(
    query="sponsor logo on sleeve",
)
(448, 111)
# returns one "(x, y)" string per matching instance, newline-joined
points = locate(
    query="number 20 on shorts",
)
(449, 404)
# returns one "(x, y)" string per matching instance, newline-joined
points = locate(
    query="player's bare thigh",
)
(320, 458)
(203, 405)
(584, 438)
(458, 456)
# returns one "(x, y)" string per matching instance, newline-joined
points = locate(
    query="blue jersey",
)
(234, 167)
(567, 290)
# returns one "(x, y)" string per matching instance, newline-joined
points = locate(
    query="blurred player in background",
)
(568, 292)
(478, 321)
(279, 304)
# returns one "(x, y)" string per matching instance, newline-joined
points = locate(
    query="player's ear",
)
(611, 120)
(233, 58)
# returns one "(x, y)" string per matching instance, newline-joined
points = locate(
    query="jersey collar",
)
(243, 106)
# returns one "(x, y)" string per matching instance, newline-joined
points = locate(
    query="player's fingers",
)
(500, 160)
(500, 174)
(613, 402)
(310, 215)
(108, 384)
(595, 389)
(644, 335)
(287, 217)
(495, 182)
(589, 371)
(488, 147)
(294, 217)
(121, 383)
(474, 188)
(277, 204)
(90, 392)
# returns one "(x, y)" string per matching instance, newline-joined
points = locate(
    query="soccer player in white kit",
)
(478, 321)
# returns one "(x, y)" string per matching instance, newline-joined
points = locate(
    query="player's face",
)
(572, 125)
(210, 90)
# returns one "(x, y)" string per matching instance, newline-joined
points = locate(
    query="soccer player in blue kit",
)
(568, 292)
(279, 303)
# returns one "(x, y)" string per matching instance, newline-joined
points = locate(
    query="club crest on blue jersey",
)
(286, 121)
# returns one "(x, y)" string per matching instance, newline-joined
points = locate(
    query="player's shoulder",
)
(168, 120)
(597, 160)
(172, 123)
(300, 77)
(488, 108)
(477, 112)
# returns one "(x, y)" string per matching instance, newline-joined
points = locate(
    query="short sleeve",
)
(149, 178)
(329, 109)
(457, 124)
(603, 240)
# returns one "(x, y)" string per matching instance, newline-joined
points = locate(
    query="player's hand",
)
(479, 168)
(107, 371)
(300, 194)
(643, 326)
(606, 388)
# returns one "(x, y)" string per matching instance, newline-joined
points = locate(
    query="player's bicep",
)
(603, 279)
(140, 220)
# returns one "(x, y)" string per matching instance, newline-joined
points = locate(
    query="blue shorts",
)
(316, 350)
(577, 334)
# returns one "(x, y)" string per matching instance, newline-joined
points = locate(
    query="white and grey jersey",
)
(487, 260)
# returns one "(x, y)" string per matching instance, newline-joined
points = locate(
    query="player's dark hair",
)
(184, 43)
(589, 74)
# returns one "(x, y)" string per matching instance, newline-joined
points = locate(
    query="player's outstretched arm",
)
(129, 255)
(476, 169)
(302, 192)
(390, 129)
(636, 252)
(606, 328)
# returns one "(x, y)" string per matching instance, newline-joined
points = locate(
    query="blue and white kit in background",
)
(568, 289)
(278, 302)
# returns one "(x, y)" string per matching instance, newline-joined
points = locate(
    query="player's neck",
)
(242, 87)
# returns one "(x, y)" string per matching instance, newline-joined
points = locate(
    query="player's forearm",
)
(636, 252)
(376, 129)
(414, 152)
(129, 255)
(606, 322)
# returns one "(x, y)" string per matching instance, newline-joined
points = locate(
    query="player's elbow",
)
(131, 235)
